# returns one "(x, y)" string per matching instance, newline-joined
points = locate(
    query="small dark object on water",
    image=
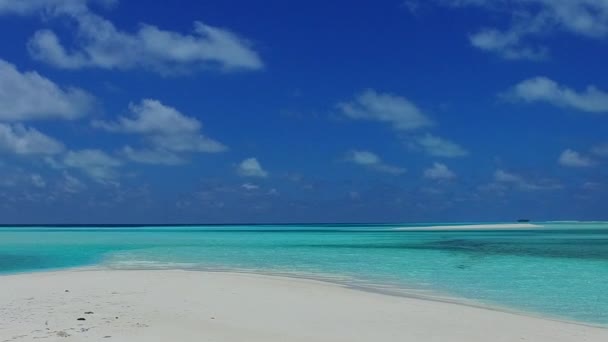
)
(67, 290)
(88, 313)
(81, 319)
(523, 220)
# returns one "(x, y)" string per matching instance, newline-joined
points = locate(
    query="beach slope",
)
(168, 305)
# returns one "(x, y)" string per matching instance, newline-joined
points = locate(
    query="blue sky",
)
(316, 111)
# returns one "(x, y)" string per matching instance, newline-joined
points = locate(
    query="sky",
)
(303, 111)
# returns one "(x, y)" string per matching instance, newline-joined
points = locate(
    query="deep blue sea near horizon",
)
(559, 270)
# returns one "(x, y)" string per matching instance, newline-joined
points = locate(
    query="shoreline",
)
(154, 297)
(473, 227)
(388, 226)
(385, 289)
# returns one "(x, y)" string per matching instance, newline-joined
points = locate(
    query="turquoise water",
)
(560, 270)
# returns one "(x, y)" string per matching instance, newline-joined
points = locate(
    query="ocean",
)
(559, 270)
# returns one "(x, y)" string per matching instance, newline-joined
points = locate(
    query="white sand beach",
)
(489, 226)
(182, 306)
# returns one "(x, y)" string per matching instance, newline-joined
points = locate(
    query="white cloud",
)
(600, 150)
(98, 43)
(30, 96)
(18, 177)
(402, 115)
(250, 167)
(164, 128)
(505, 177)
(506, 44)
(571, 158)
(592, 186)
(364, 158)
(45, 46)
(532, 20)
(397, 111)
(29, 7)
(542, 89)
(95, 163)
(440, 147)
(37, 180)
(22, 140)
(250, 187)
(372, 161)
(187, 143)
(413, 6)
(152, 117)
(439, 171)
(71, 184)
(502, 177)
(151, 156)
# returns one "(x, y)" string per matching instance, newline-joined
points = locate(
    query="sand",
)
(492, 226)
(183, 306)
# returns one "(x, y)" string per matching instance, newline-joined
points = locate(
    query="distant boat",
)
(523, 220)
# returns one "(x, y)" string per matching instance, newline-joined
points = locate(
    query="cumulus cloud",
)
(371, 160)
(151, 156)
(29, 7)
(188, 143)
(403, 116)
(543, 89)
(571, 158)
(95, 163)
(439, 147)
(18, 177)
(395, 110)
(30, 96)
(22, 140)
(152, 117)
(21, 7)
(98, 43)
(439, 171)
(504, 178)
(250, 167)
(165, 129)
(506, 44)
(532, 20)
